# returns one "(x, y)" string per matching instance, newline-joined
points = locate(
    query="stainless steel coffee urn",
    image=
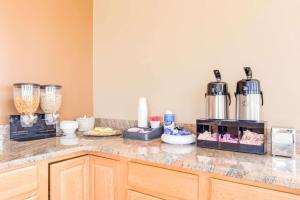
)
(249, 98)
(217, 99)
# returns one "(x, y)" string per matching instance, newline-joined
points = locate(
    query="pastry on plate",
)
(102, 131)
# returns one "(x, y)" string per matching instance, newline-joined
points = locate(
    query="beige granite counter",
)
(263, 169)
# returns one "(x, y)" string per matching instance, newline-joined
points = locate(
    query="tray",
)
(153, 134)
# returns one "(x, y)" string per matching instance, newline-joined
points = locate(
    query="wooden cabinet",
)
(156, 180)
(19, 183)
(85, 178)
(70, 179)
(131, 195)
(224, 190)
(89, 177)
(104, 176)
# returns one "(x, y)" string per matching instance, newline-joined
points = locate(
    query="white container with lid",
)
(85, 123)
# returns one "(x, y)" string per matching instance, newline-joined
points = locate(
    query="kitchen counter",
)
(262, 169)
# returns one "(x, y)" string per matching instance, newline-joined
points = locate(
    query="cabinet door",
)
(223, 190)
(69, 179)
(131, 195)
(19, 183)
(104, 175)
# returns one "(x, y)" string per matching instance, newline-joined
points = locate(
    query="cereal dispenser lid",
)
(50, 85)
(18, 85)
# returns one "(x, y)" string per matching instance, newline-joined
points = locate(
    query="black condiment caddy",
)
(232, 135)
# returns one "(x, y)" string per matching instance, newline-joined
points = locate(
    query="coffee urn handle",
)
(262, 98)
(248, 72)
(229, 98)
(217, 74)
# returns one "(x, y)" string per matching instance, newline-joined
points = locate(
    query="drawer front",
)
(224, 190)
(33, 198)
(163, 181)
(139, 196)
(18, 182)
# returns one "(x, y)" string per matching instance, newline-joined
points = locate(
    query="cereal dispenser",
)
(51, 99)
(29, 125)
(26, 100)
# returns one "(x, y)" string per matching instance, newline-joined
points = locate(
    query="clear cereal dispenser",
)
(26, 100)
(51, 99)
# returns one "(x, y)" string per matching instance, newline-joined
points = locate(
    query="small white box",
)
(283, 142)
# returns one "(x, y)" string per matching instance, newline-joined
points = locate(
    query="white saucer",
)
(178, 139)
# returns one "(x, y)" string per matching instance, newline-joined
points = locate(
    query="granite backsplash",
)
(122, 124)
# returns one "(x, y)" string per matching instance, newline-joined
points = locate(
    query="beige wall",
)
(47, 41)
(166, 50)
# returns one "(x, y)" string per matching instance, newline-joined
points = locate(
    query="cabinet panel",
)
(69, 179)
(19, 182)
(131, 195)
(104, 175)
(223, 190)
(155, 180)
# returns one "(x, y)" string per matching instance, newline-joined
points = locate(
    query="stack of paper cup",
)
(143, 113)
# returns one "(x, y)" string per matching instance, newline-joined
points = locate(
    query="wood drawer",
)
(224, 190)
(156, 180)
(33, 198)
(139, 196)
(18, 182)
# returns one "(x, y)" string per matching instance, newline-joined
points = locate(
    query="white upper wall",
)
(166, 51)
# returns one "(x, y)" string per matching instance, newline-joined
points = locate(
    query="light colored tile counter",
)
(263, 169)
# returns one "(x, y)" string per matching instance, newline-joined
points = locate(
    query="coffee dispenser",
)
(217, 99)
(249, 98)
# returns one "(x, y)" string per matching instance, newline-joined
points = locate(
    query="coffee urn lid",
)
(248, 85)
(218, 87)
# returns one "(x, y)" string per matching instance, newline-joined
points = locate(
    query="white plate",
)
(102, 134)
(178, 139)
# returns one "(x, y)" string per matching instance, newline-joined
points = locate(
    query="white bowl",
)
(85, 124)
(68, 127)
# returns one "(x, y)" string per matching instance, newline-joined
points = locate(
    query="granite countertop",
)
(263, 169)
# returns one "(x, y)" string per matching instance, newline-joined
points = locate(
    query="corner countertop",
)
(263, 169)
